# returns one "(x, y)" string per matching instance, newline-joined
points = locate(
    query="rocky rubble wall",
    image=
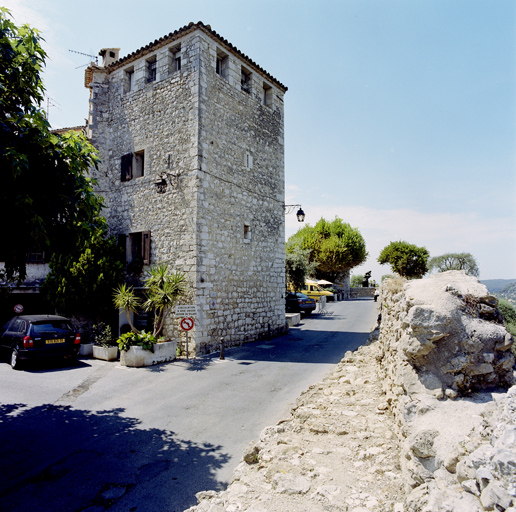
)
(447, 362)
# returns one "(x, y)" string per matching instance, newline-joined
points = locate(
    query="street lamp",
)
(289, 208)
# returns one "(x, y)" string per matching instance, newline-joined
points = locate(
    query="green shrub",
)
(508, 313)
(143, 339)
(102, 335)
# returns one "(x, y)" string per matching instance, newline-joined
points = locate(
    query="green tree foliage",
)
(297, 266)
(508, 313)
(356, 280)
(335, 246)
(454, 261)
(163, 288)
(46, 197)
(83, 275)
(407, 260)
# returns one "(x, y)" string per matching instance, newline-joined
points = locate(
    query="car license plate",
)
(53, 342)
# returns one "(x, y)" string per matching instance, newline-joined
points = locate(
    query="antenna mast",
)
(87, 55)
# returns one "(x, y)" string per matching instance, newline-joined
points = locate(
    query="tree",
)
(83, 275)
(297, 266)
(335, 246)
(455, 261)
(356, 280)
(163, 288)
(46, 197)
(405, 259)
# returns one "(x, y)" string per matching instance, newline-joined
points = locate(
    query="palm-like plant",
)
(163, 288)
(126, 299)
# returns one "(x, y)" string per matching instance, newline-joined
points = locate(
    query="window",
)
(140, 246)
(138, 164)
(248, 161)
(35, 256)
(222, 64)
(129, 80)
(246, 81)
(132, 165)
(247, 233)
(174, 59)
(267, 95)
(127, 167)
(151, 70)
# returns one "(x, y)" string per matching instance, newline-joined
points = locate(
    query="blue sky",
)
(400, 116)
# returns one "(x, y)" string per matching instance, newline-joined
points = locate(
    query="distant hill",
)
(509, 293)
(497, 285)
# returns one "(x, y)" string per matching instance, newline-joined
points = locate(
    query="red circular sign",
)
(18, 308)
(186, 323)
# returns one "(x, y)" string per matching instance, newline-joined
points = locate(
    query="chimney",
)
(109, 55)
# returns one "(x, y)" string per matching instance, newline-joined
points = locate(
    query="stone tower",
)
(191, 139)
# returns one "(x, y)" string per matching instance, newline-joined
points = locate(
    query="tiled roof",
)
(72, 128)
(162, 41)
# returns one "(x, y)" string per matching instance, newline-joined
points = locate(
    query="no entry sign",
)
(186, 323)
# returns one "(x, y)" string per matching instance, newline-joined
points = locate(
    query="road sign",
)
(186, 324)
(186, 310)
(18, 308)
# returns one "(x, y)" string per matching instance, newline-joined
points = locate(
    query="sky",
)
(400, 115)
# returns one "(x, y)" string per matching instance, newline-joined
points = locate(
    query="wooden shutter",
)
(146, 247)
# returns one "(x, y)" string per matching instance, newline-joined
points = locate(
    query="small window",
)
(246, 81)
(139, 164)
(129, 80)
(140, 246)
(222, 64)
(35, 256)
(127, 167)
(248, 161)
(267, 95)
(151, 70)
(132, 166)
(175, 59)
(247, 233)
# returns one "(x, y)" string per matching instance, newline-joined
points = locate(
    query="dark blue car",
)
(299, 303)
(37, 336)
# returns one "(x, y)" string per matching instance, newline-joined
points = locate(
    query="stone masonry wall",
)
(221, 218)
(240, 209)
(447, 361)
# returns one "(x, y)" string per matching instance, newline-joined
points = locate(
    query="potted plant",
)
(104, 346)
(163, 288)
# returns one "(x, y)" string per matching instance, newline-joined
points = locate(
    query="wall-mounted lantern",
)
(289, 208)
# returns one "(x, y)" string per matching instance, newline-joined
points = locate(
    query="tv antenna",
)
(87, 55)
(51, 102)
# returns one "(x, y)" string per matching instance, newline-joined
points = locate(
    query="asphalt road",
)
(101, 436)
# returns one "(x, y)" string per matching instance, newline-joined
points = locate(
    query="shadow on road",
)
(60, 458)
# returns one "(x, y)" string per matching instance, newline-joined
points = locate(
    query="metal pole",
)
(186, 344)
(222, 349)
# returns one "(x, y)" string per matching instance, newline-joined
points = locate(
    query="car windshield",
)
(302, 296)
(56, 326)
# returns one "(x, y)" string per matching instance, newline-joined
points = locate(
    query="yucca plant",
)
(163, 287)
(126, 299)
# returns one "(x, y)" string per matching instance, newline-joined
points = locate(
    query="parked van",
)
(314, 291)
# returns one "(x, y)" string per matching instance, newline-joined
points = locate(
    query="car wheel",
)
(15, 359)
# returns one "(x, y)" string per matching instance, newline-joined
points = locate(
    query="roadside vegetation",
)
(328, 250)
(406, 260)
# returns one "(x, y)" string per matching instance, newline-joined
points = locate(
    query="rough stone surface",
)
(377, 435)
(337, 451)
(220, 150)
